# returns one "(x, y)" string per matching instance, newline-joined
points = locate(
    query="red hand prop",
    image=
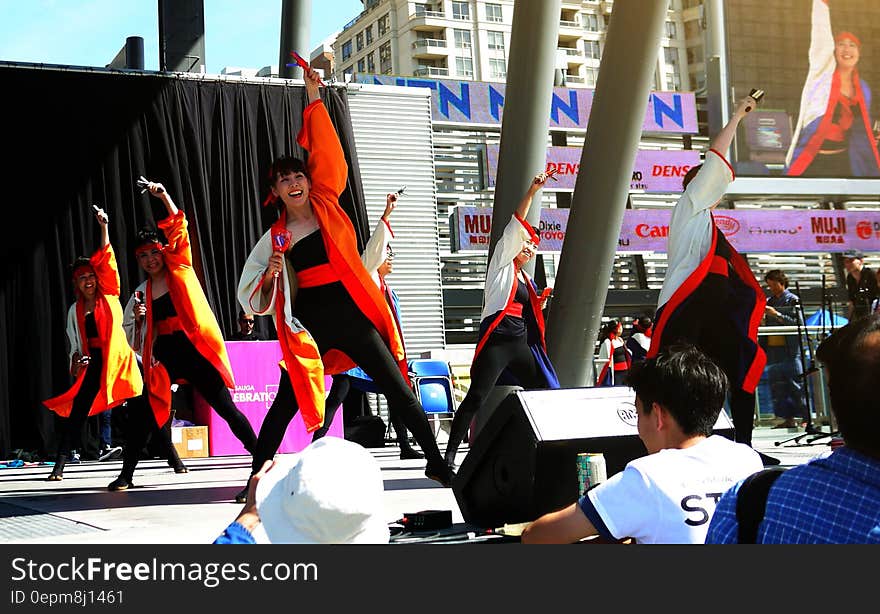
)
(302, 63)
(280, 242)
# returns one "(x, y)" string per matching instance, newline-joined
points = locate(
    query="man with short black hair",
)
(668, 496)
(835, 499)
(246, 331)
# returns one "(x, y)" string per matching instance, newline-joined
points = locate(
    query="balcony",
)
(431, 71)
(570, 30)
(428, 21)
(429, 48)
(571, 52)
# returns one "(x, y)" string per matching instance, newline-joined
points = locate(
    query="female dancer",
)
(613, 352)
(833, 137)
(378, 259)
(176, 333)
(512, 326)
(329, 313)
(103, 364)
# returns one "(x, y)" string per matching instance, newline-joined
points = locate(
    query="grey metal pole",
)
(602, 187)
(296, 23)
(523, 149)
(718, 83)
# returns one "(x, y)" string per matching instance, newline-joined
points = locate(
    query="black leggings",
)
(82, 403)
(359, 339)
(140, 426)
(500, 352)
(182, 361)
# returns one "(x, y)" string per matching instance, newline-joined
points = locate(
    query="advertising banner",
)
(646, 230)
(655, 171)
(818, 62)
(476, 102)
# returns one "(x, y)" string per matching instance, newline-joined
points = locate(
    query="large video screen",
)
(819, 63)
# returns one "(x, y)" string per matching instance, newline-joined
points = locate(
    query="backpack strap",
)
(751, 503)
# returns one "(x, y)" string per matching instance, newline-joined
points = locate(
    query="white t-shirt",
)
(690, 227)
(669, 497)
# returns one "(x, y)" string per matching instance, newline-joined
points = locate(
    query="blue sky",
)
(90, 32)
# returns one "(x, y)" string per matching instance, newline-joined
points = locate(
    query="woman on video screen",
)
(833, 136)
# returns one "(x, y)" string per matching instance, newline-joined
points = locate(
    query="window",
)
(590, 76)
(346, 50)
(591, 50)
(369, 33)
(671, 29)
(384, 24)
(385, 58)
(348, 70)
(493, 12)
(362, 65)
(497, 68)
(462, 39)
(591, 22)
(670, 55)
(360, 41)
(694, 55)
(464, 67)
(421, 9)
(461, 10)
(371, 63)
(496, 40)
(692, 29)
(673, 81)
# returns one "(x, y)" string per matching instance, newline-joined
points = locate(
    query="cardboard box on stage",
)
(190, 441)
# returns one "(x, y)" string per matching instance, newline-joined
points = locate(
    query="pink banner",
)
(646, 230)
(255, 366)
(654, 171)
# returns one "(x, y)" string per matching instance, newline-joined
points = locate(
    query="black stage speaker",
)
(523, 462)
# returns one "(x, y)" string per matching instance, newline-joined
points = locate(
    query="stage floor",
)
(193, 508)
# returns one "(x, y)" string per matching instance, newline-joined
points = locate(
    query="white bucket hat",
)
(329, 493)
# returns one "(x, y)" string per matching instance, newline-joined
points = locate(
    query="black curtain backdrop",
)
(74, 138)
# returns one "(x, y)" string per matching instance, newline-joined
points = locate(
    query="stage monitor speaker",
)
(523, 462)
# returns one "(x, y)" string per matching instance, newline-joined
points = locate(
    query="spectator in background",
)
(834, 499)
(861, 284)
(330, 493)
(613, 355)
(669, 495)
(639, 341)
(784, 369)
(246, 330)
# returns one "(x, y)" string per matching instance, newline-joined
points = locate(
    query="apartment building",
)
(470, 39)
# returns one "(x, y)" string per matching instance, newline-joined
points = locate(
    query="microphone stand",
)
(811, 432)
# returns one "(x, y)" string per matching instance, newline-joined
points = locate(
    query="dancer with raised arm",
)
(101, 361)
(307, 272)
(169, 322)
(511, 339)
(710, 296)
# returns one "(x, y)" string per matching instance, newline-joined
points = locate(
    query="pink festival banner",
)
(255, 367)
(646, 230)
(654, 171)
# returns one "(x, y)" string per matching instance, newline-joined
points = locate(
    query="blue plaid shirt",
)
(833, 500)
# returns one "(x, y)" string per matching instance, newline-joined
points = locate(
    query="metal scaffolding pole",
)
(602, 187)
(523, 149)
(296, 23)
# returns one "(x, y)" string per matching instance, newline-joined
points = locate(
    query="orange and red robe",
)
(194, 317)
(120, 377)
(305, 365)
